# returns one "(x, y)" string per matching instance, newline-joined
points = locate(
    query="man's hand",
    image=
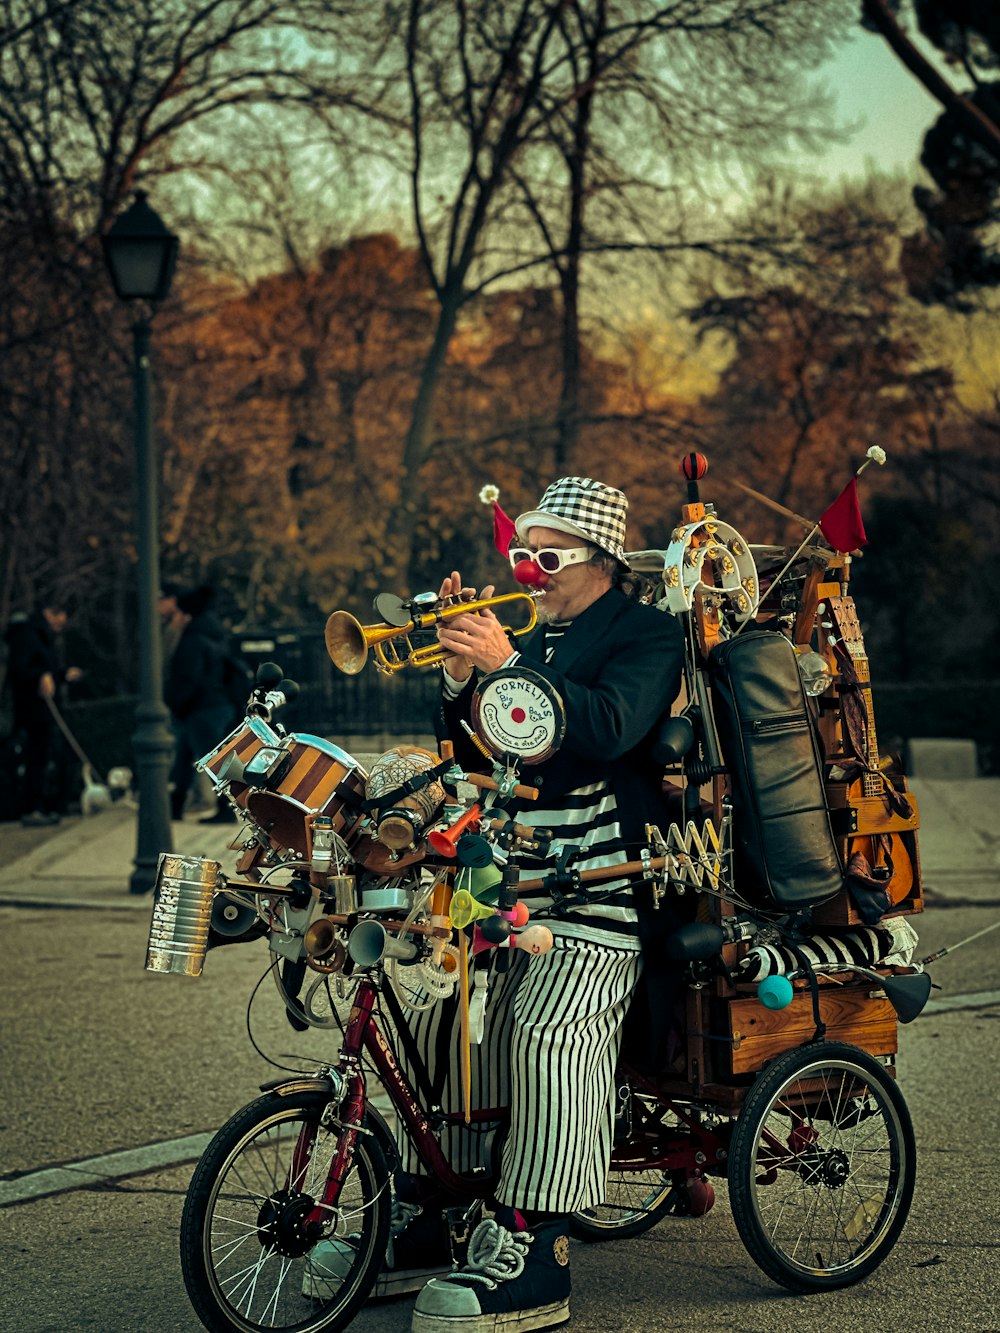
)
(476, 639)
(46, 686)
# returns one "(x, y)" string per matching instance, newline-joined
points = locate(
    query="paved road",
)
(99, 1056)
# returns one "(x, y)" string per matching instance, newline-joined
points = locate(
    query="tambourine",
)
(517, 714)
(706, 557)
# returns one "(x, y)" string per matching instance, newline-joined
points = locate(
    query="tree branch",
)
(976, 123)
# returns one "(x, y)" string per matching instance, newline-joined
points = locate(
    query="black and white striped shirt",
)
(587, 818)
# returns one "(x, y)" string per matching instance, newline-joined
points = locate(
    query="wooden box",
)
(856, 1012)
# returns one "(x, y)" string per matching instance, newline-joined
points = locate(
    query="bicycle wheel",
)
(821, 1167)
(253, 1253)
(636, 1197)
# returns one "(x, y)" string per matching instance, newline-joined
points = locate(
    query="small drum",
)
(225, 764)
(517, 714)
(400, 820)
(308, 784)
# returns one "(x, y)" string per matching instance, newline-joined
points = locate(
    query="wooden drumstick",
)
(487, 784)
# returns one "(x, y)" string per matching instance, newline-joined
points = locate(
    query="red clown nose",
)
(530, 574)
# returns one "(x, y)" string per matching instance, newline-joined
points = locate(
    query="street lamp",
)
(140, 254)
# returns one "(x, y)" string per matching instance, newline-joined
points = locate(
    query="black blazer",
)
(618, 669)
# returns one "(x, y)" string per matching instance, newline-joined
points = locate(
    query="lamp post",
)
(140, 254)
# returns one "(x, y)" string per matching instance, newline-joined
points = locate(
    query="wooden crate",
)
(857, 1012)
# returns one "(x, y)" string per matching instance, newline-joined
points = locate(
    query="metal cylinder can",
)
(182, 913)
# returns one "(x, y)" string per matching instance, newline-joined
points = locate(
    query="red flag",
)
(842, 524)
(504, 531)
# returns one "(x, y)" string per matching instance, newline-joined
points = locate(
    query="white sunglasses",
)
(550, 558)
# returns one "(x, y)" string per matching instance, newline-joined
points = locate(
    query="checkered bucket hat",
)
(583, 508)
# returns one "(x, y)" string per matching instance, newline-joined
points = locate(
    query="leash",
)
(71, 740)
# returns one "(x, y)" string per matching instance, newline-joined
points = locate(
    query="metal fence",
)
(333, 704)
(372, 711)
(369, 711)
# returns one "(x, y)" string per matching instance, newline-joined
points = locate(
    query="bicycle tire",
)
(634, 1200)
(822, 1167)
(248, 1252)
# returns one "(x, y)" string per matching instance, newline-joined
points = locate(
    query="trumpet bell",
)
(346, 642)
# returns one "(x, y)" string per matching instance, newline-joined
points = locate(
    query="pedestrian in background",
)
(172, 622)
(38, 678)
(199, 695)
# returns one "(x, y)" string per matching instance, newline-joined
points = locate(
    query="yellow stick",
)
(466, 1051)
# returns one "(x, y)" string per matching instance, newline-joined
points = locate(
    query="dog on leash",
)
(97, 795)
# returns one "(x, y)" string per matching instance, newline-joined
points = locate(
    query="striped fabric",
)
(864, 947)
(586, 818)
(549, 1050)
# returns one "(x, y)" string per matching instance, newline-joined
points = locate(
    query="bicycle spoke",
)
(254, 1216)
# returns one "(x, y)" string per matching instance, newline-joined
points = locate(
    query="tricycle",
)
(379, 891)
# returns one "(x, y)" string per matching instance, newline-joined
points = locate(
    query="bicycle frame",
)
(694, 1151)
(700, 1151)
(363, 1036)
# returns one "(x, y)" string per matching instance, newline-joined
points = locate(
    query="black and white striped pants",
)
(550, 1046)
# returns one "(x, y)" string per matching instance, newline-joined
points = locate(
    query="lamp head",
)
(140, 252)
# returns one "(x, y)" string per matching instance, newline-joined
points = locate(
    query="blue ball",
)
(775, 992)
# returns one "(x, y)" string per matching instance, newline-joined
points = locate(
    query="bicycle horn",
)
(465, 909)
(369, 943)
(444, 841)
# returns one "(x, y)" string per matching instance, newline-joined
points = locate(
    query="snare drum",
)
(319, 779)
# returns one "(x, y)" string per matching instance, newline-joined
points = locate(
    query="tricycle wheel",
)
(634, 1202)
(821, 1167)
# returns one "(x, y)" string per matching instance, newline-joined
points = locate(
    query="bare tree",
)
(97, 97)
(664, 97)
(503, 101)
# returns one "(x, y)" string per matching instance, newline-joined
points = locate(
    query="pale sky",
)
(871, 83)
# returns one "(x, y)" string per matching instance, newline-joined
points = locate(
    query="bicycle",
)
(794, 1102)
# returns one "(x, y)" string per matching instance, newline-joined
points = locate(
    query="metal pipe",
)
(152, 741)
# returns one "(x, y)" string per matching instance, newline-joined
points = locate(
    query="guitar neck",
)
(872, 784)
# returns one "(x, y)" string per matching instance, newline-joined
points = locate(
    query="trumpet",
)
(348, 641)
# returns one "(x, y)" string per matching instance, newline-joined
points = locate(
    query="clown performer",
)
(553, 1021)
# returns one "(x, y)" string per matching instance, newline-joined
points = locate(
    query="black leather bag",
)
(784, 849)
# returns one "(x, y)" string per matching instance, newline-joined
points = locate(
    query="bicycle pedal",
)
(461, 1224)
